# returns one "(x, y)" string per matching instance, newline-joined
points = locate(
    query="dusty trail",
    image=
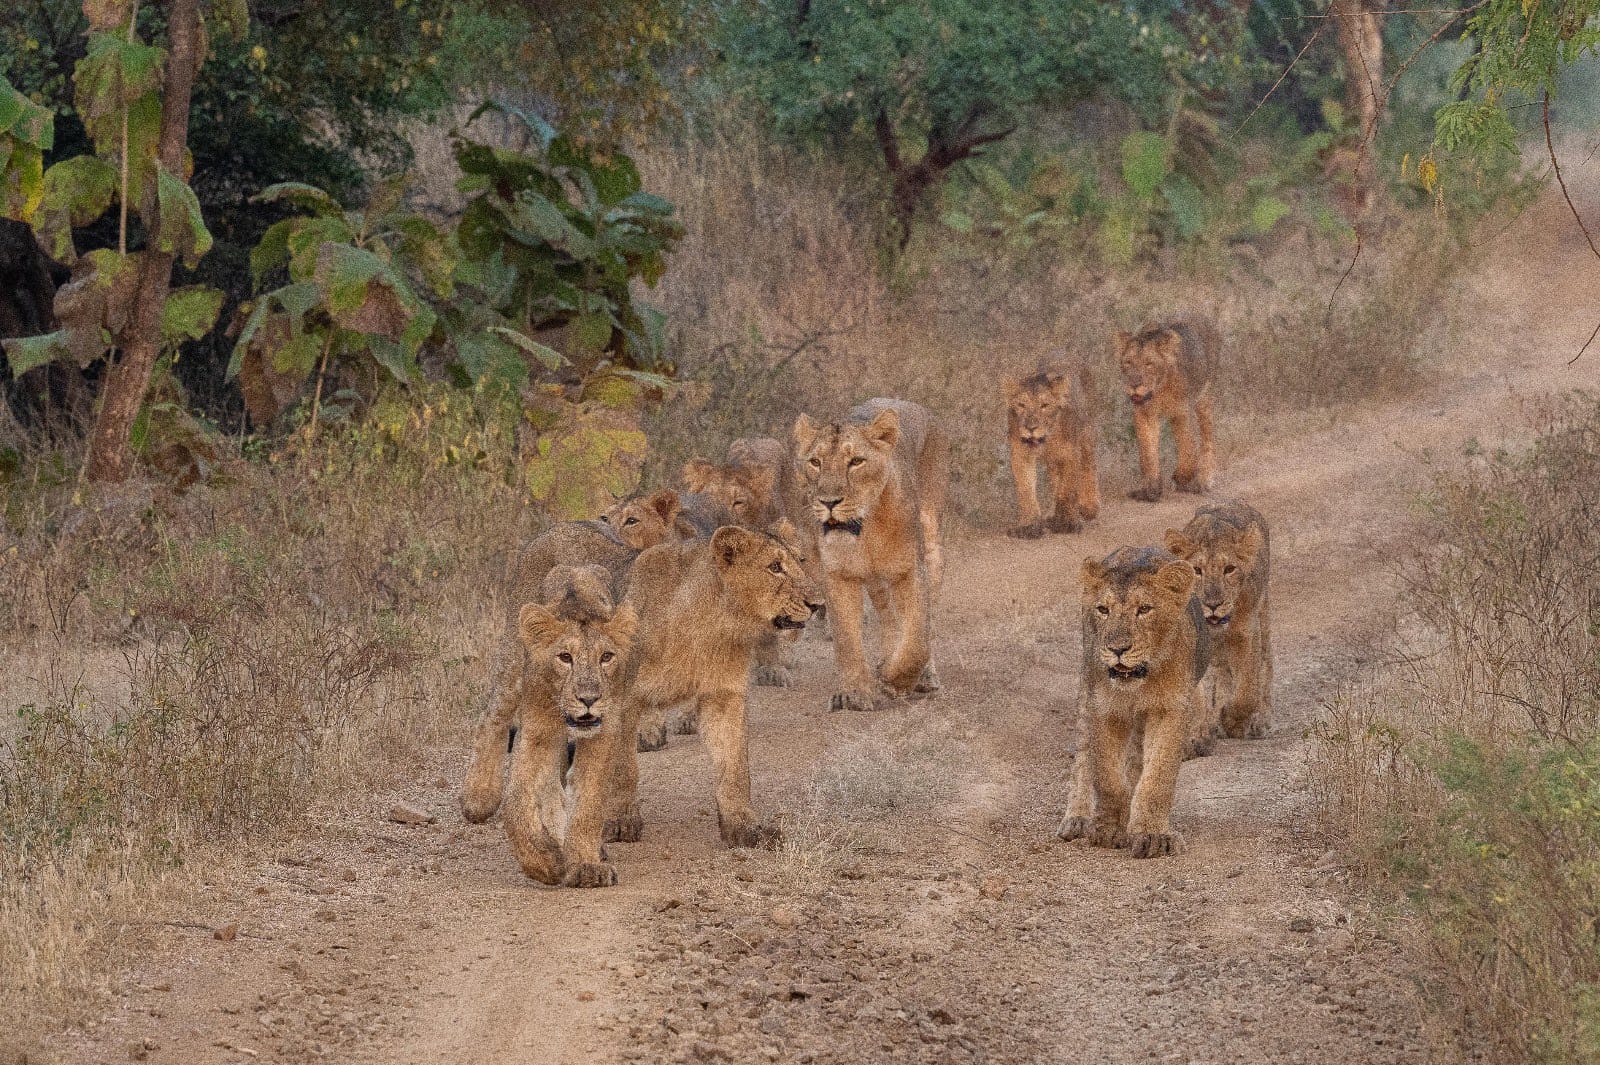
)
(960, 931)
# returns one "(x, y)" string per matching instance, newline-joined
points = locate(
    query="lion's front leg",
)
(1108, 736)
(583, 855)
(481, 792)
(536, 815)
(1147, 427)
(1078, 822)
(1247, 712)
(722, 718)
(773, 666)
(1064, 484)
(1025, 475)
(1088, 477)
(1149, 830)
(846, 605)
(910, 667)
(624, 822)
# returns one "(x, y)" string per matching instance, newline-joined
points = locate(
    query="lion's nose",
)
(831, 503)
(1119, 649)
(813, 607)
(588, 701)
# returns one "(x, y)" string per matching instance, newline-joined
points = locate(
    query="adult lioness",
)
(1167, 369)
(1051, 418)
(562, 701)
(1145, 649)
(703, 606)
(876, 484)
(1228, 544)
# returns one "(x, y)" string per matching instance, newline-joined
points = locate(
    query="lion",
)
(875, 484)
(643, 521)
(1051, 418)
(1167, 369)
(1145, 649)
(562, 696)
(1228, 544)
(703, 606)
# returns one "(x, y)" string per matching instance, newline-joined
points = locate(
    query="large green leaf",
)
(298, 194)
(24, 121)
(271, 252)
(21, 182)
(1145, 162)
(25, 353)
(76, 191)
(1187, 205)
(180, 228)
(394, 357)
(189, 313)
(345, 273)
(548, 356)
(114, 75)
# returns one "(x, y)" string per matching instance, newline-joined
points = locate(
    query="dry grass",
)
(781, 303)
(1469, 782)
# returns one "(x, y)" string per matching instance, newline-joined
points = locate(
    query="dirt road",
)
(925, 912)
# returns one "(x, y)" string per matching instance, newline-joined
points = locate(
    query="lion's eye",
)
(857, 461)
(607, 656)
(630, 521)
(814, 464)
(739, 504)
(1229, 568)
(564, 658)
(1103, 610)
(1144, 608)
(777, 566)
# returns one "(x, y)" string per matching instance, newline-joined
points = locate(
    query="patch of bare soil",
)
(924, 910)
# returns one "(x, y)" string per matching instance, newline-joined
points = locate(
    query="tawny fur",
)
(1228, 543)
(1167, 369)
(1145, 649)
(703, 606)
(1050, 420)
(875, 485)
(561, 697)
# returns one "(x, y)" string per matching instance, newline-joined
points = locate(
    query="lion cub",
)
(567, 730)
(875, 484)
(1051, 419)
(1228, 544)
(1145, 649)
(703, 607)
(1167, 369)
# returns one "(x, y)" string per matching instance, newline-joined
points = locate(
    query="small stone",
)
(994, 887)
(405, 814)
(227, 933)
(784, 917)
(1302, 924)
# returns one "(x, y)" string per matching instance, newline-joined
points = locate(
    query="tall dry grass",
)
(1468, 783)
(781, 301)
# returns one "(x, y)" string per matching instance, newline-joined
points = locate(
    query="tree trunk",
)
(1358, 29)
(109, 456)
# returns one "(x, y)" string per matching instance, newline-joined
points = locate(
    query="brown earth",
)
(934, 917)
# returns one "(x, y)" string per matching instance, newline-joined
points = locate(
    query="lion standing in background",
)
(1229, 545)
(1050, 418)
(1167, 370)
(875, 484)
(1145, 649)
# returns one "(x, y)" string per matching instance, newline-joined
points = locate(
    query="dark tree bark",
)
(109, 456)
(1358, 30)
(910, 183)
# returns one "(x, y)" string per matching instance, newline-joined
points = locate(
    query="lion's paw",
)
(773, 676)
(653, 737)
(1252, 729)
(688, 724)
(1192, 487)
(1064, 523)
(1074, 828)
(927, 681)
(1146, 493)
(757, 835)
(1108, 834)
(854, 699)
(1198, 747)
(477, 806)
(590, 875)
(1031, 531)
(629, 828)
(1155, 844)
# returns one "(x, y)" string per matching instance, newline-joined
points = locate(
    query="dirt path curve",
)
(949, 926)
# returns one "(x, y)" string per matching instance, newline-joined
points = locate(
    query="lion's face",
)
(1034, 404)
(845, 468)
(764, 576)
(1134, 602)
(745, 490)
(1146, 361)
(580, 658)
(644, 521)
(1224, 564)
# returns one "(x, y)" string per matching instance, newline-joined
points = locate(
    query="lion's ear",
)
(1178, 543)
(1171, 344)
(1009, 387)
(537, 626)
(1176, 578)
(697, 473)
(1092, 573)
(1120, 340)
(622, 626)
(730, 543)
(761, 480)
(804, 433)
(784, 531)
(885, 428)
(665, 503)
(1250, 543)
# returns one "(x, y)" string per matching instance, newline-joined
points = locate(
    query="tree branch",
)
(887, 142)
